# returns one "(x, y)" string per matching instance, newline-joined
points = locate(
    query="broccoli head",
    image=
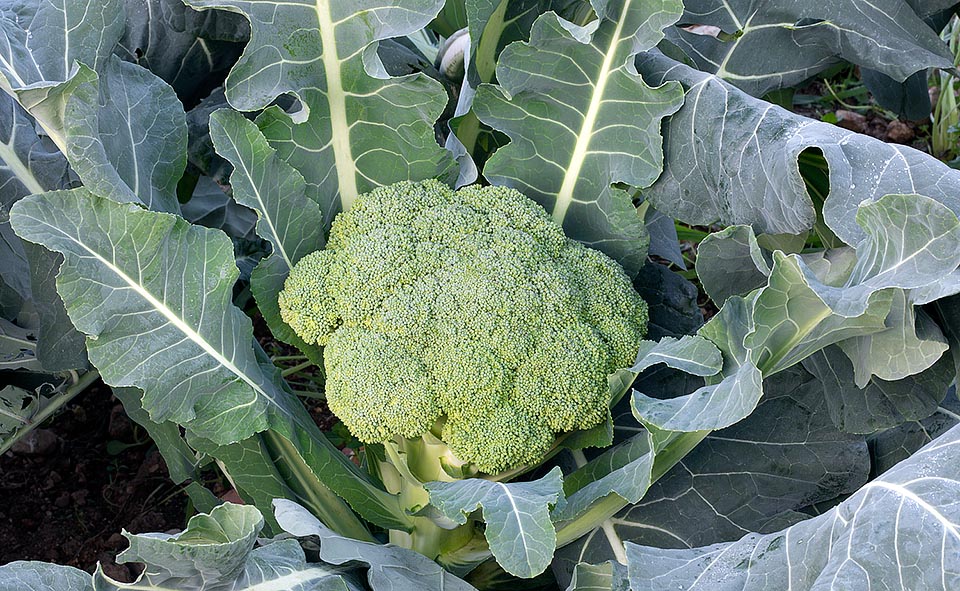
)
(468, 309)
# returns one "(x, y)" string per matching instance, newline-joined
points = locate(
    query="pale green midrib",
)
(521, 535)
(336, 98)
(167, 313)
(21, 171)
(487, 47)
(265, 213)
(572, 177)
(284, 583)
(136, 166)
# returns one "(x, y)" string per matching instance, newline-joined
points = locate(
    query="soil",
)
(73, 484)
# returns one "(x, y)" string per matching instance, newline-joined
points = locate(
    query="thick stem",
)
(322, 502)
(409, 463)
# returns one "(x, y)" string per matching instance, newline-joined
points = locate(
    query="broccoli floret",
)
(470, 311)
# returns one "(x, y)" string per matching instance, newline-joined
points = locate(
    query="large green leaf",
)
(44, 41)
(878, 404)
(190, 50)
(892, 446)
(624, 470)
(779, 43)
(126, 135)
(121, 127)
(27, 163)
(491, 26)
(357, 127)
(39, 576)
(911, 343)
(517, 517)
(291, 223)
(745, 171)
(60, 346)
(753, 476)
(899, 531)
(730, 263)
(214, 553)
(580, 119)
(153, 293)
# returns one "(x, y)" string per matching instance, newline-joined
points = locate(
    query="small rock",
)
(851, 120)
(80, 497)
(899, 132)
(39, 442)
(53, 479)
(62, 500)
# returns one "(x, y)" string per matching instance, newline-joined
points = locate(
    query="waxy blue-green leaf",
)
(122, 128)
(291, 223)
(891, 446)
(42, 576)
(711, 407)
(28, 164)
(216, 553)
(792, 320)
(357, 127)
(745, 171)
(910, 241)
(126, 135)
(391, 568)
(153, 293)
(911, 343)
(491, 26)
(624, 470)
(580, 119)
(186, 48)
(692, 354)
(779, 43)
(877, 404)
(517, 517)
(598, 577)
(60, 346)
(749, 477)
(730, 263)
(898, 531)
(44, 42)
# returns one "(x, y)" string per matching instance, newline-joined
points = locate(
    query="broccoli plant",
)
(491, 332)
(534, 390)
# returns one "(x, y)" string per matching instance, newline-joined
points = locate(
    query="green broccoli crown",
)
(468, 306)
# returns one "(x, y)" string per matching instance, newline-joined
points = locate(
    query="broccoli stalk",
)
(406, 465)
